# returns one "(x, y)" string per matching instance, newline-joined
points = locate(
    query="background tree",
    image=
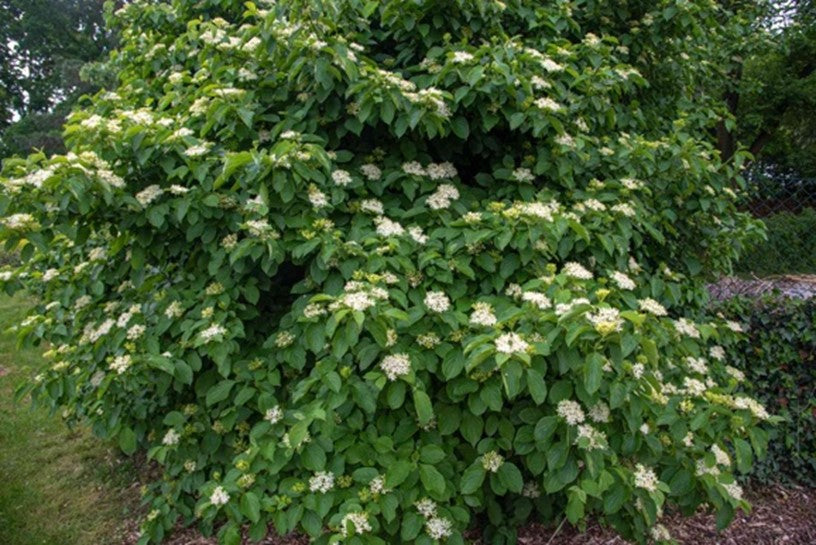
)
(771, 95)
(44, 45)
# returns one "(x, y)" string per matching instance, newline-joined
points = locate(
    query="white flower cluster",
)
(377, 485)
(660, 533)
(171, 438)
(720, 456)
(212, 332)
(135, 332)
(645, 478)
(371, 172)
(417, 234)
(322, 481)
(651, 306)
(284, 339)
(547, 104)
(734, 490)
(535, 210)
(273, 415)
(687, 328)
(462, 57)
(413, 168)
(576, 270)
(623, 281)
(510, 343)
(537, 298)
(197, 150)
(564, 308)
(442, 197)
(698, 365)
(631, 184)
(261, 229)
(752, 405)
(599, 412)
(437, 301)
(596, 438)
(395, 366)
(387, 227)
(523, 174)
(531, 490)
(219, 496)
(317, 198)
(540, 83)
(570, 411)
(426, 507)
(438, 528)
(694, 387)
(341, 178)
(606, 320)
(492, 461)
(735, 373)
(372, 206)
(121, 363)
(717, 352)
(357, 298)
(149, 194)
(174, 310)
(482, 315)
(441, 171)
(359, 523)
(736, 327)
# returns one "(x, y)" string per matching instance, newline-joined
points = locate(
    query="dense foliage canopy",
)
(383, 271)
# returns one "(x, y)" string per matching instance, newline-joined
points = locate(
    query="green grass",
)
(59, 486)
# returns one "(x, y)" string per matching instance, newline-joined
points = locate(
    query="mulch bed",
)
(780, 516)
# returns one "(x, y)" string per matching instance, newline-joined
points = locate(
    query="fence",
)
(786, 202)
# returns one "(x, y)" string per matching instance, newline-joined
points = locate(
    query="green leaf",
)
(313, 457)
(431, 454)
(219, 392)
(544, 430)
(510, 477)
(536, 386)
(127, 441)
(575, 505)
(231, 535)
(472, 427)
(432, 480)
(251, 506)
(412, 524)
(423, 406)
(744, 455)
(460, 127)
(183, 372)
(472, 479)
(593, 372)
(397, 472)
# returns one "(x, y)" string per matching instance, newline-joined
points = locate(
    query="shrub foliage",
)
(371, 270)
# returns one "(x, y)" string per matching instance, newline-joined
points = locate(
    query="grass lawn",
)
(60, 486)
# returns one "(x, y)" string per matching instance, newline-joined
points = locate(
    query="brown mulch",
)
(780, 516)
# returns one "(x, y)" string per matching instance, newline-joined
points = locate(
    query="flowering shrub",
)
(367, 270)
